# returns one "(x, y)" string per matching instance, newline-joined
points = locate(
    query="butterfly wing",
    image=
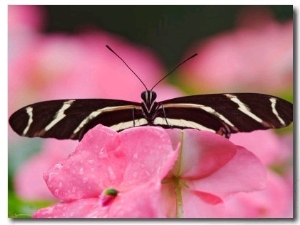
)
(220, 113)
(226, 113)
(71, 119)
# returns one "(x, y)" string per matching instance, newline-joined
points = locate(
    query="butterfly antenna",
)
(174, 70)
(126, 65)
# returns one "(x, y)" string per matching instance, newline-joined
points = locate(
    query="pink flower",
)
(273, 202)
(276, 201)
(132, 162)
(22, 18)
(255, 56)
(142, 202)
(140, 164)
(23, 22)
(271, 150)
(209, 170)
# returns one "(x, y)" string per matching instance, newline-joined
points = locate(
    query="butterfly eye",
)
(144, 95)
(153, 95)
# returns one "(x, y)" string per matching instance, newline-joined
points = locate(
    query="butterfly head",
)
(148, 97)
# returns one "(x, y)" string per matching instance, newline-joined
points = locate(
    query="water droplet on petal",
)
(91, 161)
(85, 179)
(111, 173)
(56, 192)
(74, 189)
(58, 166)
(102, 153)
(50, 176)
(81, 171)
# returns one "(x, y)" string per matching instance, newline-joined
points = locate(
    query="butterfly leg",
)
(133, 118)
(224, 131)
(165, 116)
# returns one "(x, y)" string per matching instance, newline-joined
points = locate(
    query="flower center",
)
(107, 196)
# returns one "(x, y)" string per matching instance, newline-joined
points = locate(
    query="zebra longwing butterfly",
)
(220, 113)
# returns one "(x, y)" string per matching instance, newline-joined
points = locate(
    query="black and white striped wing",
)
(71, 119)
(225, 113)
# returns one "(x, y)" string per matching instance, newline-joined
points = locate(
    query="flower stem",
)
(179, 207)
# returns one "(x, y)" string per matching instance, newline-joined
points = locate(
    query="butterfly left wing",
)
(71, 119)
(225, 113)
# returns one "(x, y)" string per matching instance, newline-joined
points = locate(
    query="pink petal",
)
(78, 175)
(82, 208)
(107, 159)
(276, 201)
(187, 203)
(148, 152)
(244, 173)
(273, 150)
(267, 151)
(202, 153)
(141, 202)
(197, 204)
(210, 167)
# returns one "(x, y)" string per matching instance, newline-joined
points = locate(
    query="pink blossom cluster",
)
(156, 174)
(255, 56)
(150, 172)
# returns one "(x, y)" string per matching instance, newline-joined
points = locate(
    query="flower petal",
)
(244, 173)
(276, 201)
(78, 175)
(269, 151)
(82, 208)
(202, 153)
(141, 202)
(182, 202)
(148, 153)
(107, 159)
(199, 204)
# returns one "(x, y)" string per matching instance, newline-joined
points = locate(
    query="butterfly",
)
(223, 114)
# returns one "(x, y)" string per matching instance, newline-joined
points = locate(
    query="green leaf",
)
(19, 208)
